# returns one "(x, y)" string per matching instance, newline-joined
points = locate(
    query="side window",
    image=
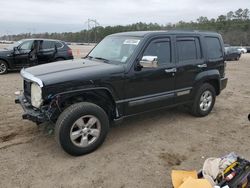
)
(214, 49)
(188, 49)
(161, 49)
(45, 45)
(26, 45)
(59, 44)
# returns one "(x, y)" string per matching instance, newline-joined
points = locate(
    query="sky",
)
(35, 16)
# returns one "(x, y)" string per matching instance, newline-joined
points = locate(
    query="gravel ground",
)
(140, 152)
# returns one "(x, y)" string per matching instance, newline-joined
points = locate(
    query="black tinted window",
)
(161, 49)
(214, 49)
(59, 44)
(26, 45)
(188, 49)
(44, 45)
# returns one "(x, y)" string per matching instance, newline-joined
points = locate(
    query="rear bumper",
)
(223, 83)
(30, 112)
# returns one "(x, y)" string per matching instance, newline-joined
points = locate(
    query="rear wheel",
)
(3, 67)
(204, 100)
(82, 128)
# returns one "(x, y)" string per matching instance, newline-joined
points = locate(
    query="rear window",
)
(44, 45)
(214, 49)
(188, 49)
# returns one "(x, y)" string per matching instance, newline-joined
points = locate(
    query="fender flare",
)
(64, 96)
(207, 76)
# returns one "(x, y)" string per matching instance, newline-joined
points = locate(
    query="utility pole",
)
(92, 24)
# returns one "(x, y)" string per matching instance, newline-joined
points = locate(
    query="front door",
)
(22, 54)
(150, 88)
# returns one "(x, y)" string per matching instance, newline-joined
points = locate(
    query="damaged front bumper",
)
(30, 112)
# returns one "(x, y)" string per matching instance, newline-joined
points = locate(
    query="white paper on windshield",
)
(124, 59)
(131, 41)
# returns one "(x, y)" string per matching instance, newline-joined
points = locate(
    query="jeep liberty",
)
(124, 75)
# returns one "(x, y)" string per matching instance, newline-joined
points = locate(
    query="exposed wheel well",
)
(101, 98)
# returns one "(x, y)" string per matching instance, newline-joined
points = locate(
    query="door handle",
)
(173, 70)
(202, 65)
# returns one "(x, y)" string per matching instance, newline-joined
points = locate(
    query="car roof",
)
(41, 39)
(161, 32)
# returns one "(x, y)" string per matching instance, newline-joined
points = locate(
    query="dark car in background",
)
(30, 52)
(232, 53)
(248, 49)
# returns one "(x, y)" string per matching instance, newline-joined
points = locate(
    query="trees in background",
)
(234, 27)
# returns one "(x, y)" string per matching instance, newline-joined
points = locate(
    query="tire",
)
(3, 67)
(78, 138)
(237, 58)
(201, 108)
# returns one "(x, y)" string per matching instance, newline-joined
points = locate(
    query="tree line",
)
(234, 27)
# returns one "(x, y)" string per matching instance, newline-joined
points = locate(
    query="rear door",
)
(151, 88)
(46, 52)
(190, 62)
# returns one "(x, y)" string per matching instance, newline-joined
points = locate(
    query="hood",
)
(5, 51)
(73, 70)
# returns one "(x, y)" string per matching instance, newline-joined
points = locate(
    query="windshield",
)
(15, 44)
(115, 49)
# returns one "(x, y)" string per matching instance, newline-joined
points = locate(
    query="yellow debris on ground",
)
(188, 179)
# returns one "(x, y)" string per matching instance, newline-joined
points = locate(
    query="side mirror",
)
(149, 61)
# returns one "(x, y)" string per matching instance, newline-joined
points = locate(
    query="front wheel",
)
(204, 100)
(3, 67)
(81, 128)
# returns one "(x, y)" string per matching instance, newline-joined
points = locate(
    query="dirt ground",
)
(140, 152)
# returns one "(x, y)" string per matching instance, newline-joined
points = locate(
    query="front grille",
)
(27, 89)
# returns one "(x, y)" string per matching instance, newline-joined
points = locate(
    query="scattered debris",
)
(230, 171)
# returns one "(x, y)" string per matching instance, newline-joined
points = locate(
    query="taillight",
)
(70, 52)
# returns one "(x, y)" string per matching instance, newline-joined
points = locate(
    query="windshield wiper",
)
(89, 57)
(101, 58)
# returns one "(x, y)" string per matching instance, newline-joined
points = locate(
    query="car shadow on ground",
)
(12, 72)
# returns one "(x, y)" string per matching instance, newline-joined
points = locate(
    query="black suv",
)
(125, 74)
(30, 52)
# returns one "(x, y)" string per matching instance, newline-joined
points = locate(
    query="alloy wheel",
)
(85, 131)
(206, 100)
(2, 68)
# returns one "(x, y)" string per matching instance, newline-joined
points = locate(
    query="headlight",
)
(36, 95)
